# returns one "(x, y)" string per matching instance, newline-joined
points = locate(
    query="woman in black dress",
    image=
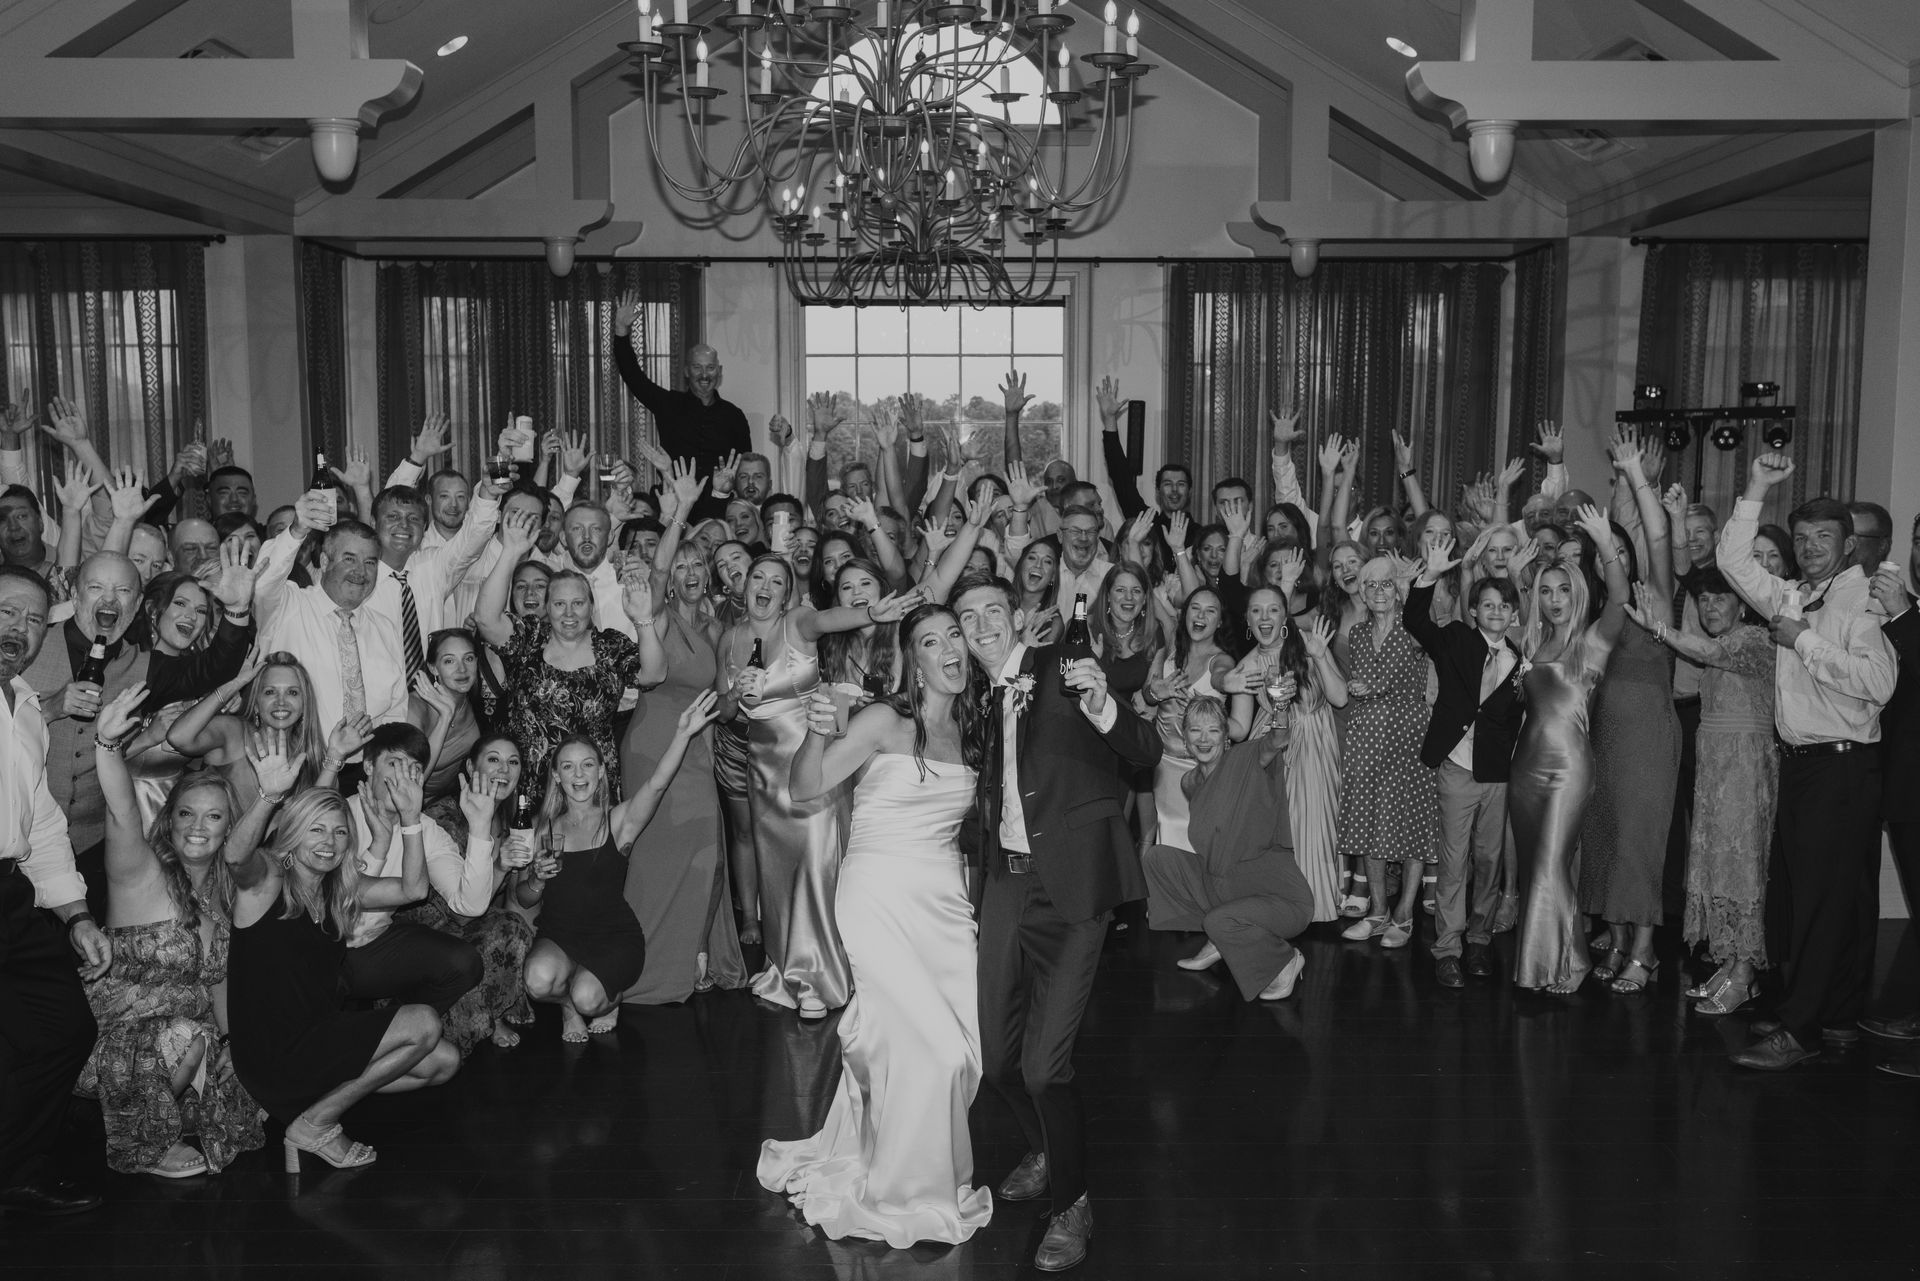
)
(590, 947)
(296, 1047)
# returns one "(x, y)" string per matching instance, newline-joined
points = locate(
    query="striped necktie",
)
(409, 628)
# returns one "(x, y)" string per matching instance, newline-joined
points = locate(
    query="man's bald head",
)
(703, 372)
(193, 543)
(106, 595)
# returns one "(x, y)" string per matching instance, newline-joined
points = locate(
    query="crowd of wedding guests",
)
(323, 799)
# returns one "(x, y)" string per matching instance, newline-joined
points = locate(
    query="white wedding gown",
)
(893, 1161)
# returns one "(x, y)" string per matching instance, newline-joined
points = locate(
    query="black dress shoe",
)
(1838, 1036)
(1775, 1053)
(1480, 960)
(1065, 1243)
(1908, 1067)
(1446, 971)
(48, 1199)
(1028, 1180)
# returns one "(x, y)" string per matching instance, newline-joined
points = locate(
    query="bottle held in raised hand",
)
(93, 671)
(1791, 605)
(523, 439)
(322, 488)
(1077, 644)
(757, 659)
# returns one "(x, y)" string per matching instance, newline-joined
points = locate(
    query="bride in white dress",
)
(893, 1162)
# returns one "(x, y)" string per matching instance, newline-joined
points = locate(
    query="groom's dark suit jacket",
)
(1074, 782)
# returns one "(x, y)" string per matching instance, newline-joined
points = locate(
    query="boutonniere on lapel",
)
(1520, 670)
(1022, 691)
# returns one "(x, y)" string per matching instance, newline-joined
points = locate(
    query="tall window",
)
(120, 328)
(479, 340)
(951, 363)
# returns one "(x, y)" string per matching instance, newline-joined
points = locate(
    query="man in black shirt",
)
(695, 423)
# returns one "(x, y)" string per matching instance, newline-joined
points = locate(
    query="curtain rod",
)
(80, 240)
(1748, 240)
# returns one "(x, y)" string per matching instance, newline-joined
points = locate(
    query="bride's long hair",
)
(909, 699)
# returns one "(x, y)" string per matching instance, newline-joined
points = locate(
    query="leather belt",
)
(1837, 747)
(1019, 864)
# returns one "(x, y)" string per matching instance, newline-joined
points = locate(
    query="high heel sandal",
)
(1715, 981)
(1727, 998)
(1607, 969)
(320, 1143)
(1632, 987)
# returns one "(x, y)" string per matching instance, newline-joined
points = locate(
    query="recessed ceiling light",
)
(454, 45)
(1401, 47)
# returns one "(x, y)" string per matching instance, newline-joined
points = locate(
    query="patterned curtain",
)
(120, 327)
(1716, 314)
(1539, 324)
(323, 341)
(482, 340)
(1359, 348)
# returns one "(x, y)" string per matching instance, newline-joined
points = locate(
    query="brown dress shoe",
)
(1065, 1243)
(1028, 1180)
(1446, 971)
(1479, 960)
(1774, 1053)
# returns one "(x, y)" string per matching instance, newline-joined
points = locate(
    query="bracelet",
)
(1021, 511)
(271, 798)
(332, 763)
(113, 745)
(238, 615)
(1184, 551)
(413, 829)
(78, 917)
(1407, 474)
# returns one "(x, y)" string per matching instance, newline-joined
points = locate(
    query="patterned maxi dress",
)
(547, 703)
(1389, 801)
(1735, 784)
(151, 1006)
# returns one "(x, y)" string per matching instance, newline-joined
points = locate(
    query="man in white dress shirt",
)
(46, 1028)
(1833, 672)
(417, 589)
(352, 654)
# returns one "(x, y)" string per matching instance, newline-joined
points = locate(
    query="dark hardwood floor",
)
(1374, 1126)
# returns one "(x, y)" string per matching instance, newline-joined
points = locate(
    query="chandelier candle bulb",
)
(744, 8)
(1066, 70)
(646, 23)
(700, 52)
(1006, 81)
(1133, 34)
(1110, 34)
(766, 72)
(680, 12)
(881, 20)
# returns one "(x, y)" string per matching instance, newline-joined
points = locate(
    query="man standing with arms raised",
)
(695, 423)
(1059, 858)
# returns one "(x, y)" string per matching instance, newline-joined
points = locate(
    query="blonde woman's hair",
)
(338, 900)
(1573, 655)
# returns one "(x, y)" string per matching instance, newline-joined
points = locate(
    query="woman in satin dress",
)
(1564, 658)
(797, 843)
(893, 1162)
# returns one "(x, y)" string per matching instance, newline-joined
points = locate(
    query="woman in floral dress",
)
(564, 674)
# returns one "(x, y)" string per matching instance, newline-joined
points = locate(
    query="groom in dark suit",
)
(1059, 858)
(1470, 739)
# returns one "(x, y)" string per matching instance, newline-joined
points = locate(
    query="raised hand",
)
(1106, 398)
(910, 418)
(1293, 563)
(1624, 450)
(1769, 469)
(1022, 488)
(519, 531)
(685, 484)
(1177, 526)
(1594, 521)
(127, 495)
(1510, 474)
(1523, 558)
(1039, 625)
(1440, 558)
(191, 461)
(823, 414)
(1653, 456)
(886, 427)
(779, 431)
(1478, 546)
(359, 469)
(68, 423)
(1402, 452)
(1237, 515)
(1674, 499)
(1166, 689)
(573, 453)
(15, 423)
(893, 608)
(1085, 677)
(1332, 451)
(703, 711)
(656, 457)
(477, 802)
(1139, 527)
(234, 585)
(722, 472)
(434, 694)
(1890, 589)
(1349, 457)
(626, 313)
(349, 736)
(1013, 392)
(75, 488)
(865, 514)
(936, 538)
(118, 717)
(1642, 610)
(431, 440)
(276, 766)
(636, 596)
(404, 787)
(1286, 429)
(1317, 637)
(220, 453)
(1550, 442)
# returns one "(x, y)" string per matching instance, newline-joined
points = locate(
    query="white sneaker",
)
(1282, 986)
(1205, 958)
(1365, 928)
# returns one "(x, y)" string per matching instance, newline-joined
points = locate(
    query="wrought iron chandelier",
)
(882, 180)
